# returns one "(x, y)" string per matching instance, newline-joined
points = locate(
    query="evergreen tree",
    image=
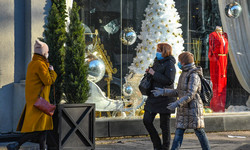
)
(76, 86)
(61, 6)
(55, 37)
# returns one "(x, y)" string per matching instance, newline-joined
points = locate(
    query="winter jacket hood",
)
(192, 68)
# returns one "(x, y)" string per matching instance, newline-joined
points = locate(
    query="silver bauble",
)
(128, 36)
(127, 90)
(96, 70)
(233, 10)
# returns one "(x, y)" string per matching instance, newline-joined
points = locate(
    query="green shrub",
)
(76, 86)
(55, 37)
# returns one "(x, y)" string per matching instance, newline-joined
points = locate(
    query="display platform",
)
(214, 122)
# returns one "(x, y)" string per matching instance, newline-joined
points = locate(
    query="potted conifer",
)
(55, 37)
(77, 118)
(74, 121)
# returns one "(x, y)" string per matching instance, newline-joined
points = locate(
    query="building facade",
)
(106, 22)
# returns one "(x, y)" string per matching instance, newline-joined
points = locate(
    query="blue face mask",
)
(179, 65)
(159, 56)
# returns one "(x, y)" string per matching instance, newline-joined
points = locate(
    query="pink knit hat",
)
(40, 47)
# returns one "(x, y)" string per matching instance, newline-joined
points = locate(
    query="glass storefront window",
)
(113, 31)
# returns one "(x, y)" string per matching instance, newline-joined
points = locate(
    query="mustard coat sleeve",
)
(48, 77)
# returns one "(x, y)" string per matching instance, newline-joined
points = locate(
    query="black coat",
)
(163, 77)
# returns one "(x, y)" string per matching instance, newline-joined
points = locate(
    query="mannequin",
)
(218, 50)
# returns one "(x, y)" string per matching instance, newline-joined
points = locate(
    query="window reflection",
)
(198, 19)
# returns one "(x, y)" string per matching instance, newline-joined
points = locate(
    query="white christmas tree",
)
(161, 25)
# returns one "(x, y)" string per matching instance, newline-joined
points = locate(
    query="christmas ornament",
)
(112, 27)
(128, 36)
(127, 89)
(141, 112)
(96, 70)
(207, 110)
(92, 11)
(233, 10)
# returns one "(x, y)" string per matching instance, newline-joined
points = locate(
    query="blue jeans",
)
(200, 133)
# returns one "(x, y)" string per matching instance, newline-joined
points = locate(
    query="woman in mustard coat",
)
(34, 122)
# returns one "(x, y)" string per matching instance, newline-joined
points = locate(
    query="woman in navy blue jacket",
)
(163, 72)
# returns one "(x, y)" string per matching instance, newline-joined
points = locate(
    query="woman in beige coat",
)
(189, 105)
(33, 122)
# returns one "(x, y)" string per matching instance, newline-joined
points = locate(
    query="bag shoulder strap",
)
(40, 91)
(54, 94)
(193, 71)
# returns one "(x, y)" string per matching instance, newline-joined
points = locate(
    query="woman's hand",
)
(151, 71)
(172, 106)
(51, 67)
(162, 92)
(158, 91)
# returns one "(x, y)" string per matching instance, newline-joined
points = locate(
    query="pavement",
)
(234, 140)
(25, 146)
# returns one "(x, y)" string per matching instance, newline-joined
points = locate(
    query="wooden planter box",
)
(74, 126)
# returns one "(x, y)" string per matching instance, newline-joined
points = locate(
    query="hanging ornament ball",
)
(128, 36)
(96, 70)
(127, 90)
(233, 10)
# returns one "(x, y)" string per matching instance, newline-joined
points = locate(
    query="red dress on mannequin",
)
(218, 49)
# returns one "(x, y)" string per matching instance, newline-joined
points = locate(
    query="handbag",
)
(145, 84)
(44, 105)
